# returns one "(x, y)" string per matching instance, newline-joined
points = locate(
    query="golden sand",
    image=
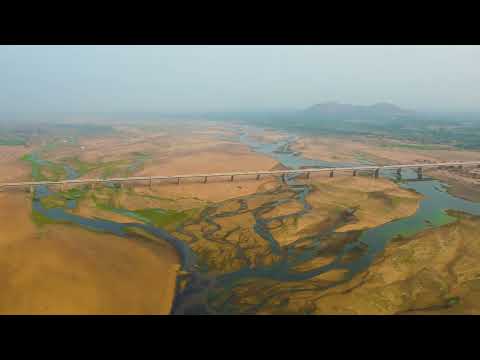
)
(377, 201)
(461, 186)
(314, 263)
(382, 151)
(419, 275)
(12, 169)
(64, 269)
(222, 158)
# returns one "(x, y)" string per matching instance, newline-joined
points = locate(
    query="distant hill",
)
(347, 112)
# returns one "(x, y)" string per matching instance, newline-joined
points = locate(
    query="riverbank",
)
(267, 293)
(432, 272)
(64, 269)
(463, 187)
(263, 246)
(381, 150)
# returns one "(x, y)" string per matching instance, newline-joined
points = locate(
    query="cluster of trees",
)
(414, 127)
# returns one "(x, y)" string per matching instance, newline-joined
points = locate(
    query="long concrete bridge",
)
(231, 175)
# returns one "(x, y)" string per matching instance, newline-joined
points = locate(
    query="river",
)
(192, 299)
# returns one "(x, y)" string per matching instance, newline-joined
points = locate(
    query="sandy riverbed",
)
(64, 269)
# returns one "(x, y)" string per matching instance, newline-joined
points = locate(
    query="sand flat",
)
(12, 168)
(378, 201)
(383, 152)
(64, 269)
(432, 272)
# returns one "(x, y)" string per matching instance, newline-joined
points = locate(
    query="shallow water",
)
(430, 213)
(59, 214)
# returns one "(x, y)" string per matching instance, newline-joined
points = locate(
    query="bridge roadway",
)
(231, 175)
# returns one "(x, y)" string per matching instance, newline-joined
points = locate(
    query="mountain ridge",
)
(340, 111)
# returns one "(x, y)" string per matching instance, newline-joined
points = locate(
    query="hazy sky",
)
(204, 78)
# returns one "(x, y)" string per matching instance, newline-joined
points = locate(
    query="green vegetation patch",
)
(53, 201)
(105, 198)
(53, 171)
(111, 168)
(142, 155)
(453, 301)
(165, 218)
(81, 167)
(36, 169)
(40, 219)
(363, 158)
(108, 168)
(74, 194)
(59, 199)
(160, 218)
(43, 170)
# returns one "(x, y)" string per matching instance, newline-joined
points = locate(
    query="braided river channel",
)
(193, 298)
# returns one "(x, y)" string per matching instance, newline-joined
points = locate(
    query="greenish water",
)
(56, 171)
(431, 213)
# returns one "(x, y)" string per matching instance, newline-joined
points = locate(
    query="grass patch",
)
(53, 171)
(43, 170)
(36, 169)
(80, 167)
(165, 218)
(453, 301)
(105, 199)
(74, 194)
(52, 201)
(59, 199)
(141, 155)
(108, 169)
(40, 219)
(112, 168)
(363, 158)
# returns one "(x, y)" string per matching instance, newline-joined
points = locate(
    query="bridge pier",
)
(133, 181)
(420, 173)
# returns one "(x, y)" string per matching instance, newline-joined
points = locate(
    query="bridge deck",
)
(238, 173)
